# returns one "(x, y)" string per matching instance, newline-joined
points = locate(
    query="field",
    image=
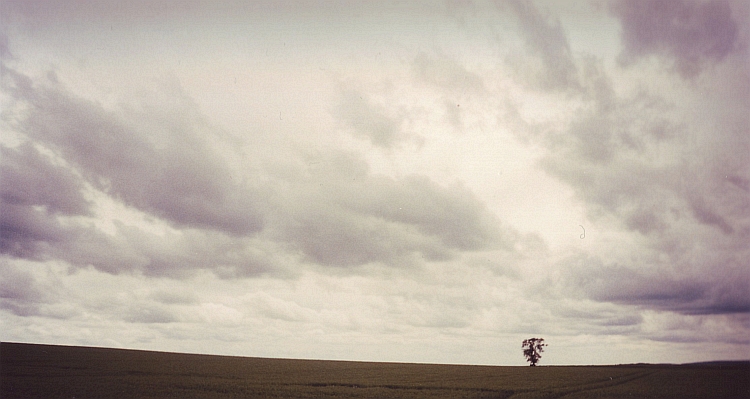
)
(47, 371)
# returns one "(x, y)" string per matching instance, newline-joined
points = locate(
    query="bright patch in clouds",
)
(420, 182)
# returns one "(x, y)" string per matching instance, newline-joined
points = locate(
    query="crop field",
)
(48, 371)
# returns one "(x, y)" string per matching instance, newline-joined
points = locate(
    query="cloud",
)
(598, 318)
(633, 157)
(545, 38)
(343, 215)
(704, 214)
(671, 274)
(616, 154)
(34, 194)
(25, 293)
(278, 309)
(19, 292)
(159, 157)
(449, 78)
(44, 215)
(4, 49)
(671, 180)
(371, 121)
(447, 73)
(175, 254)
(44, 209)
(675, 327)
(150, 314)
(26, 232)
(155, 161)
(31, 179)
(690, 33)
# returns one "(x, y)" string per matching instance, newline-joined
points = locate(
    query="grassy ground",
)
(46, 371)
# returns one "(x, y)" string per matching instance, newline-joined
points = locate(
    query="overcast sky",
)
(406, 181)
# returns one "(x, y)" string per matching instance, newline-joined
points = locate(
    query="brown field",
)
(48, 371)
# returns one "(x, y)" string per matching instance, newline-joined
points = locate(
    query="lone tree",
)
(532, 349)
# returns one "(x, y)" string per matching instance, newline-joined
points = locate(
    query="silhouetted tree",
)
(532, 349)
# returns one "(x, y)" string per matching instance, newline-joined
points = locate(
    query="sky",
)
(426, 182)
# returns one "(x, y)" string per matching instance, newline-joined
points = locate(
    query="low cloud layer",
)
(153, 160)
(334, 212)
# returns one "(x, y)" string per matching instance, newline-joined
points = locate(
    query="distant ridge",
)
(727, 363)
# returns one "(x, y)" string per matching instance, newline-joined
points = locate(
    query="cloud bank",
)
(441, 180)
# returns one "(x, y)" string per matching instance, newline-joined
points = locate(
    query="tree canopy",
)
(532, 349)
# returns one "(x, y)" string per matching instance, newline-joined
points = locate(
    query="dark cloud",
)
(153, 162)
(31, 179)
(347, 216)
(150, 159)
(453, 215)
(176, 255)
(4, 49)
(546, 40)
(34, 194)
(689, 32)
(602, 319)
(663, 287)
(739, 182)
(35, 235)
(705, 215)
(691, 260)
(26, 232)
(39, 200)
(338, 214)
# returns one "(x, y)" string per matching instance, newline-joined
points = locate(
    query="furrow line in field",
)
(609, 384)
(502, 393)
(568, 390)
